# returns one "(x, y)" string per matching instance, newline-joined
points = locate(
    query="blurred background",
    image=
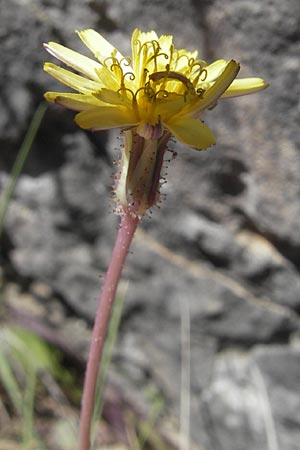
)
(207, 351)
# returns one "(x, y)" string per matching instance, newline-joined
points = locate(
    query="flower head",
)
(158, 88)
(156, 92)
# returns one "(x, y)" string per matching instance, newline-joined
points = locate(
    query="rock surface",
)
(222, 253)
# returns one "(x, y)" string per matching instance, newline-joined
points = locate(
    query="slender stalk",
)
(124, 238)
(185, 390)
(21, 158)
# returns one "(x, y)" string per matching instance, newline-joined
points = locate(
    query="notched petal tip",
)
(234, 66)
(48, 96)
(47, 66)
(52, 97)
(84, 30)
(48, 46)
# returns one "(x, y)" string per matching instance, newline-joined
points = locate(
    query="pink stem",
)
(124, 238)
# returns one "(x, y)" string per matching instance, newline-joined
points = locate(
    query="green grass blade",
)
(21, 158)
(9, 382)
(28, 411)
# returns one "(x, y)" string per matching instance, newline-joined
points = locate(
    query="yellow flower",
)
(156, 92)
(158, 88)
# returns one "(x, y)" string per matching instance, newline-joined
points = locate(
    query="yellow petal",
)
(71, 79)
(73, 59)
(77, 102)
(113, 97)
(140, 52)
(165, 43)
(213, 93)
(170, 106)
(222, 83)
(191, 132)
(143, 36)
(99, 46)
(105, 118)
(108, 78)
(245, 86)
(182, 59)
(214, 69)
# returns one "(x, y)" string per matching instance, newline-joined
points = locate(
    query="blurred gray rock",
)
(222, 252)
(252, 401)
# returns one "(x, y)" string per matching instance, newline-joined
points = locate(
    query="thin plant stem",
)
(9, 382)
(28, 410)
(107, 355)
(21, 158)
(185, 390)
(124, 238)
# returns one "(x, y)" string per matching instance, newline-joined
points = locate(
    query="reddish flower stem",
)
(124, 238)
